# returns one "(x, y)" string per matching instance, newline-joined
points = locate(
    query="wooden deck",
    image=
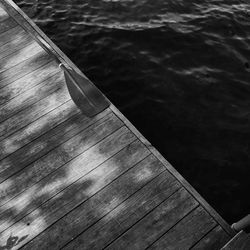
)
(72, 182)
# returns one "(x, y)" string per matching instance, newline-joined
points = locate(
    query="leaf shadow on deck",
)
(37, 186)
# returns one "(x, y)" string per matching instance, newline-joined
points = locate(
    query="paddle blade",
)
(84, 94)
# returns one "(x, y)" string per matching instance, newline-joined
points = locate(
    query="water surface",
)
(179, 70)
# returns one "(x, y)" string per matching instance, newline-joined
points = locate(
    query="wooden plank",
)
(27, 82)
(3, 14)
(29, 65)
(11, 34)
(25, 100)
(97, 206)
(57, 158)
(187, 232)
(126, 214)
(45, 143)
(156, 223)
(19, 56)
(177, 175)
(14, 11)
(26, 116)
(61, 200)
(240, 241)
(7, 24)
(215, 239)
(37, 128)
(16, 44)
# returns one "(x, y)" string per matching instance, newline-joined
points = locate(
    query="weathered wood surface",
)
(25, 67)
(36, 128)
(241, 241)
(12, 46)
(156, 223)
(57, 158)
(7, 24)
(68, 181)
(126, 214)
(215, 239)
(187, 232)
(27, 82)
(14, 33)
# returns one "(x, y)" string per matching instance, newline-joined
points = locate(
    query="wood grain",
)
(57, 158)
(37, 128)
(97, 206)
(40, 108)
(16, 44)
(241, 241)
(215, 239)
(126, 214)
(84, 187)
(177, 175)
(188, 231)
(3, 14)
(11, 34)
(19, 56)
(160, 220)
(7, 24)
(21, 69)
(45, 143)
(31, 96)
(67, 192)
(28, 82)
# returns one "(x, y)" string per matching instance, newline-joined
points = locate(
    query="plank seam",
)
(2, 34)
(58, 167)
(20, 63)
(196, 243)
(105, 119)
(35, 138)
(9, 18)
(143, 216)
(173, 226)
(119, 203)
(73, 184)
(99, 192)
(18, 52)
(174, 172)
(28, 89)
(4, 137)
(21, 47)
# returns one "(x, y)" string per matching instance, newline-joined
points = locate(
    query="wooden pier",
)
(72, 182)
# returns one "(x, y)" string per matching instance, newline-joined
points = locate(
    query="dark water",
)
(179, 70)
